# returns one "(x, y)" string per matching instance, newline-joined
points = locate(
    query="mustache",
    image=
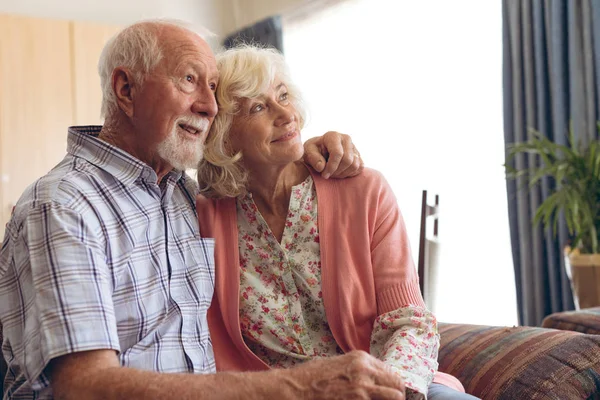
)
(198, 123)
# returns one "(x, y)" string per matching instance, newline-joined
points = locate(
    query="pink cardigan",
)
(367, 269)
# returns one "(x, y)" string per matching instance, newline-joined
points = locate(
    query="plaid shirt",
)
(98, 255)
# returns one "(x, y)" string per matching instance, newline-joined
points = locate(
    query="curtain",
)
(266, 32)
(551, 62)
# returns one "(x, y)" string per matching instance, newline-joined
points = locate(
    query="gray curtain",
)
(266, 32)
(551, 79)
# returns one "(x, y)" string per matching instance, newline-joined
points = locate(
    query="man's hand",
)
(97, 374)
(334, 155)
(356, 375)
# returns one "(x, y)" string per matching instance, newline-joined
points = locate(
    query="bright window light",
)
(418, 86)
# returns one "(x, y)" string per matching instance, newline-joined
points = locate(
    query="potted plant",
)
(575, 169)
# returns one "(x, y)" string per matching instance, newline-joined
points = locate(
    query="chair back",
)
(429, 248)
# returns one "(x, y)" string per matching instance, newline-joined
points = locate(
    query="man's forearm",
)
(96, 375)
(131, 384)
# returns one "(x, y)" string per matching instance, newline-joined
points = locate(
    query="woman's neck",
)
(271, 188)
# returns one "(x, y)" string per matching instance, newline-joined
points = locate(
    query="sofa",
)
(585, 321)
(515, 363)
(522, 362)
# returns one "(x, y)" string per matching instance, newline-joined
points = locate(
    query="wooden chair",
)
(428, 249)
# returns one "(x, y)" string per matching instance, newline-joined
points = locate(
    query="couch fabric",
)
(522, 362)
(584, 321)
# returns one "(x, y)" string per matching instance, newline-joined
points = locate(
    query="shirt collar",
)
(83, 142)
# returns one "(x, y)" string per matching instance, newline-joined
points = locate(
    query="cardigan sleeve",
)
(405, 333)
(395, 275)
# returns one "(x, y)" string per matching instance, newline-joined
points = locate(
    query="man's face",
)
(175, 107)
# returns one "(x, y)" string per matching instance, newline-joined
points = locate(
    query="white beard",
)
(181, 152)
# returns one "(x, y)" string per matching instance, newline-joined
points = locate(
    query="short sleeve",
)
(66, 288)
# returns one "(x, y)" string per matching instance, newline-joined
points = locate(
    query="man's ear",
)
(123, 86)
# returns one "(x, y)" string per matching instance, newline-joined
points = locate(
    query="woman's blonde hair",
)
(246, 71)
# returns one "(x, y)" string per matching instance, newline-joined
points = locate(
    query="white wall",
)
(209, 13)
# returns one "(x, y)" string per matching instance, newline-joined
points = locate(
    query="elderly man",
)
(105, 279)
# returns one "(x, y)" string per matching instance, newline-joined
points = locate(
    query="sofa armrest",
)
(521, 362)
(584, 321)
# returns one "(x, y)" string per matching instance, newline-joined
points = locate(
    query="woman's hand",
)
(333, 155)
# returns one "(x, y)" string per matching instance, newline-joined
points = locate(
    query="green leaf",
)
(575, 172)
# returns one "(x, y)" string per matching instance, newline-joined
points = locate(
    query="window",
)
(418, 85)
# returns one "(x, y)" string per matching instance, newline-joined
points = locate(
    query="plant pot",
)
(584, 272)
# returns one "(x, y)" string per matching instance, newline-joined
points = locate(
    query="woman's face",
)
(267, 129)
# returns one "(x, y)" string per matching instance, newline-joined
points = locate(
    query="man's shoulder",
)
(190, 184)
(72, 180)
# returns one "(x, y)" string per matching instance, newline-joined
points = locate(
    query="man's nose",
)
(206, 103)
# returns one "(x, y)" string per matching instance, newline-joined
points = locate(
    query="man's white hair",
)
(135, 47)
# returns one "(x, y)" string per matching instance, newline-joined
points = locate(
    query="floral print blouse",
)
(282, 315)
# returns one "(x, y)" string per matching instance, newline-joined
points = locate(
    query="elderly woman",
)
(322, 267)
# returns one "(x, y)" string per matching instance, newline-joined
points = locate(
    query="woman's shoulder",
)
(368, 178)
(213, 201)
(209, 205)
(370, 185)
(371, 174)
(203, 201)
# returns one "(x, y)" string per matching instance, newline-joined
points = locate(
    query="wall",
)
(208, 13)
(242, 13)
(220, 16)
